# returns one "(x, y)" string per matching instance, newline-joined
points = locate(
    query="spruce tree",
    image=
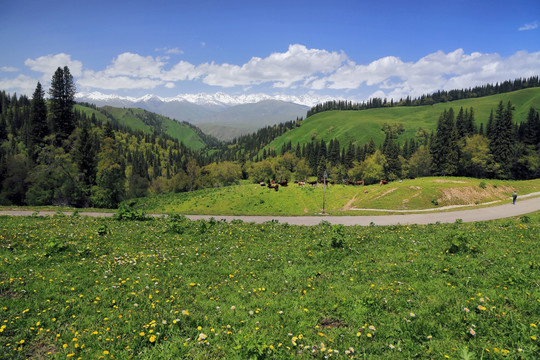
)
(502, 138)
(62, 99)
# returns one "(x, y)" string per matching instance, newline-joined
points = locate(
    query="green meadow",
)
(416, 194)
(169, 288)
(361, 126)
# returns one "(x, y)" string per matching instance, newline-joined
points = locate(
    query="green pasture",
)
(417, 194)
(360, 126)
(169, 288)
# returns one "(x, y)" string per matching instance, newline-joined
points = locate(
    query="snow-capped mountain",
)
(215, 112)
(204, 99)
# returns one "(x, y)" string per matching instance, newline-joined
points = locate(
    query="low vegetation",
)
(417, 194)
(169, 288)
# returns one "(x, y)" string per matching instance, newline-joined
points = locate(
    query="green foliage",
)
(482, 184)
(130, 212)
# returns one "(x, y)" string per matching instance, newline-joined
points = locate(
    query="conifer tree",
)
(62, 99)
(502, 138)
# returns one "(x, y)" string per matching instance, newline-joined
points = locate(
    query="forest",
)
(52, 154)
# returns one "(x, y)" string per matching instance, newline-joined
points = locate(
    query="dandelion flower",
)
(152, 338)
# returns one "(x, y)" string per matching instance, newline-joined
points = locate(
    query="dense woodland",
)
(51, 154)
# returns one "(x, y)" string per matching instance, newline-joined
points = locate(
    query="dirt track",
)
(481, 214)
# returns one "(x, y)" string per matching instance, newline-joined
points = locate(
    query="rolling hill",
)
(360, 126)
(146, 121)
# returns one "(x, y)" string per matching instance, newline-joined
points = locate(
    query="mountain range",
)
(220, 115)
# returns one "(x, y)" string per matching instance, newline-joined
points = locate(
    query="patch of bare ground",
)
(450, 181)
(306, 210)
(42, 350)
(386, 193)
(349, 203)
(415, 194)
(472, 194)
(332, 323)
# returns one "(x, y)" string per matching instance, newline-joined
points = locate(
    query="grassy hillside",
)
(417, 194)
(79, 287)
(360, 126)
(139, 119)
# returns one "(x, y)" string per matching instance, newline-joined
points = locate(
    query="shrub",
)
(128, 211)
(483, 184)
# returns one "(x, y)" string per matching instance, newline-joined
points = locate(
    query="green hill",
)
(146, 121)
(360, 126)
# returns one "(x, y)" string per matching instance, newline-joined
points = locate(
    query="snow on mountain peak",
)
(219, 99)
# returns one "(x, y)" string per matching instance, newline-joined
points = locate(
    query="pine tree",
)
(62, 99)
(502, 138)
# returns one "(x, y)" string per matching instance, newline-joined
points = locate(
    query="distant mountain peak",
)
(219, 99)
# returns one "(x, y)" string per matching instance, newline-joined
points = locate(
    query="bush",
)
(483, 184)
(128, 211)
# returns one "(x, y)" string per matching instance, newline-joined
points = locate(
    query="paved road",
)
(480, 214)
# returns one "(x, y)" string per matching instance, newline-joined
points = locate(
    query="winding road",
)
(478, 214)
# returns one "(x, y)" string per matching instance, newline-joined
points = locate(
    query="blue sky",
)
(351, 49)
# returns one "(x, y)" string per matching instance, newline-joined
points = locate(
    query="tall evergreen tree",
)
(62, 99)
(502, 138)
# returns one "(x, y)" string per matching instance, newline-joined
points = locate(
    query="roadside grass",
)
(417, 194)
(170, 288)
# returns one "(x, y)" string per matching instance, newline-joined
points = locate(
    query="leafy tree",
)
(476, 159)
(372, 169)
(419, 164)
(109, 189)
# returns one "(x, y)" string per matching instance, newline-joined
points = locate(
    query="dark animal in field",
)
(283, 183)
(312, 183)
(383, 182)
(262, 183)
(274, 186)
(301, 183)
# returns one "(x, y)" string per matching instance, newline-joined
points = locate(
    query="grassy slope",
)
(360, 126)
(252, 199)
(135, 119)
(170, 289)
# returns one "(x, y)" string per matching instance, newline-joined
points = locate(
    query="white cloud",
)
(9, 69)
(299, 67)
(22, 84)
(49, 63)
(530, 26)
(280, 69)
(439, 70)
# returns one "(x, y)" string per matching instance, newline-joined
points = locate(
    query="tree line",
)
(505, 149)
(440, 96)
(51, 153)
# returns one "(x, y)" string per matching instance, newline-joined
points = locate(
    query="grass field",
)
(417, 194)
(78, 287)
(360, 126)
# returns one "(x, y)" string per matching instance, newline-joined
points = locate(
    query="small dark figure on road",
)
(514, 197)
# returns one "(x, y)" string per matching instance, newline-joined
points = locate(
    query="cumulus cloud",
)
(298, 67)
(48, 64)
(280, 69)
(439, 70)
(530, 26)
(22, 84)
(8, 69)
